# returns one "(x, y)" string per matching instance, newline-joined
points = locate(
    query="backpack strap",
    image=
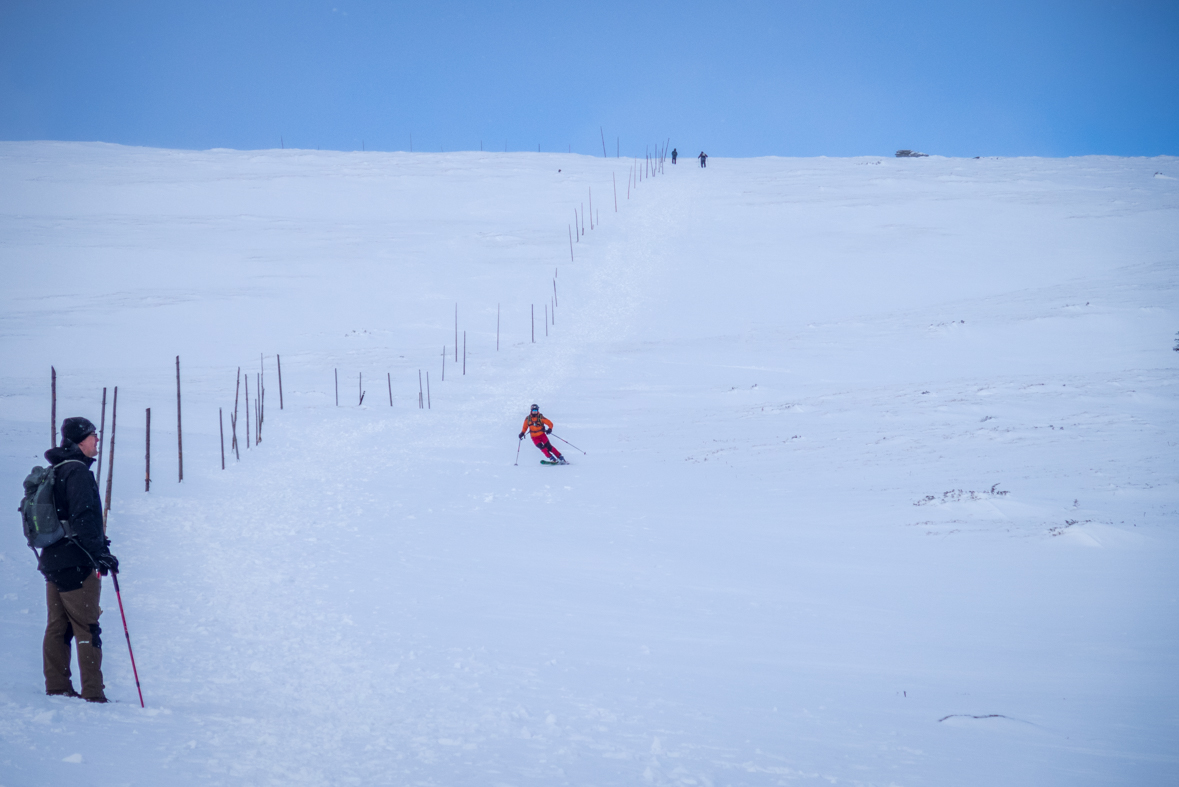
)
(55, 478)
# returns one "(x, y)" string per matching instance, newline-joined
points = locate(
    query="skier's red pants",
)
(542, 442)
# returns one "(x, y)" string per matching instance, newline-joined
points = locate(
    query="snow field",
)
(871, 444)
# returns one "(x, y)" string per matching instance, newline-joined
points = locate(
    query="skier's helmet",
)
(536, 408)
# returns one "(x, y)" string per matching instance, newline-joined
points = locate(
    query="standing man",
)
(71, 587)
(674, 153)
(703, 159)
(540, 428)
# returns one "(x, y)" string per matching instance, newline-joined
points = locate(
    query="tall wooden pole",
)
(147, 455)
(237, 452)
(248, 411)
(101, 434)
(337, 373)
(389, 379)
(261, 402)
(179, 437)
(221, 422)
(257, 409)
(52, 407)
(110, 464)
(279, 359)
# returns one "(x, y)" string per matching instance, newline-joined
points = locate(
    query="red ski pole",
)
(119, 596)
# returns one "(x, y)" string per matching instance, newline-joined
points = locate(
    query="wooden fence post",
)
(110, 465)
(179, 436)
(248, 411)
(52, 407)
(147, 455)
(101, 435)
(233, 421)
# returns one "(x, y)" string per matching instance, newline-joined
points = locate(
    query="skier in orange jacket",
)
(540, 428)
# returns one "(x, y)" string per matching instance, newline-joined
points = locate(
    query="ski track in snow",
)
(880, 486)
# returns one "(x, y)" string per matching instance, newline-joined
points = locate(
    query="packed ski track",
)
(879, 482)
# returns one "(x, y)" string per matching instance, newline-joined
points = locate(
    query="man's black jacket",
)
(76, 494)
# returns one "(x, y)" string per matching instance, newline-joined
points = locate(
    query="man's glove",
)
(549, 430)
(521, 435)
(107, 563)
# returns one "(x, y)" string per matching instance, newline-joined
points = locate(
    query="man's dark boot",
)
(63, 693)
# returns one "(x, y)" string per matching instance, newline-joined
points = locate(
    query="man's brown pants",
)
(73, 614)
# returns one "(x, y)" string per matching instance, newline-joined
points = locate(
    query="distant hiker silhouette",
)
(674, 153)
(703, 159)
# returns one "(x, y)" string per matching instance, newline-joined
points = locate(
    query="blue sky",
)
(735, 79)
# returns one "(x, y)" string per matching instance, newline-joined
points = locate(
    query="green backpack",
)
(38, 510)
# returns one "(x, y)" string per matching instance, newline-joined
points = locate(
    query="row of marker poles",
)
(652, 165)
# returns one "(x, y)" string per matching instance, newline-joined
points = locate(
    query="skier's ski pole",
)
(517, 462)
(119, 596)
(566, 442)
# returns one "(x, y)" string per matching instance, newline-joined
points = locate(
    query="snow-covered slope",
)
(880, 482)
